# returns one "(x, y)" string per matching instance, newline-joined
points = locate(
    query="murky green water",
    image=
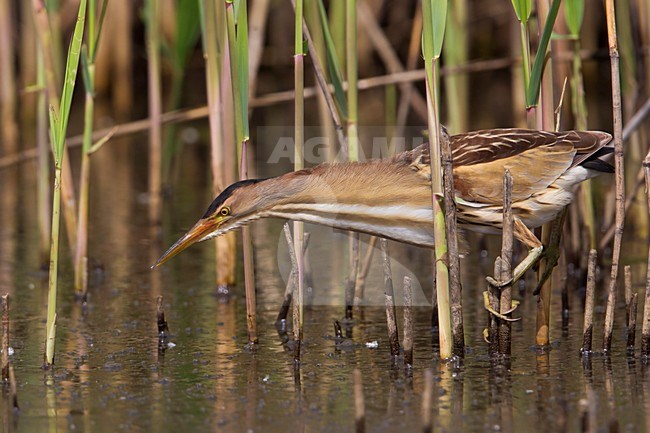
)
(111, 376)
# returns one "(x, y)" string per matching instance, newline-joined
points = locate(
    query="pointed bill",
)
(200, 230)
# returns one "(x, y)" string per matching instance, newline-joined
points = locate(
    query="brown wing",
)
(535, 159)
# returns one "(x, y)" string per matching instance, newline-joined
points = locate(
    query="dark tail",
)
(602, 160)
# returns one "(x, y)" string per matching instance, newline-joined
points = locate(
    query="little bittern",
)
(391, 198)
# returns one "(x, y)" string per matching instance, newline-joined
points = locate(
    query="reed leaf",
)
(85, 71)
(72, 64)
(522, 9)
(333, 66)
(94, 42)
(187, 31)
(574, 11)
(532, 92)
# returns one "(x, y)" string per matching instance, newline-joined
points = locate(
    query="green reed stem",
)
(88, 63)
(238, 48)
(58, 129)
(337, 25)
(434, 15)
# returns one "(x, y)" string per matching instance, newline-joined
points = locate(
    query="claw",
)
(486, 304)
(514, 304)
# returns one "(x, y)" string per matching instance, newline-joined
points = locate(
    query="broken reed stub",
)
(408, 322)
(588, 324)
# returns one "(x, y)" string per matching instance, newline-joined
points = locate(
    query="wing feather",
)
(535, 158)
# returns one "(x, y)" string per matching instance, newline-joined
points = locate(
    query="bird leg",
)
(528, 238)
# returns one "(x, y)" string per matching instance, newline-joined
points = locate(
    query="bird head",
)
(234, 207)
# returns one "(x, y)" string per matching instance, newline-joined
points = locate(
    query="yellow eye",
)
(224, 211)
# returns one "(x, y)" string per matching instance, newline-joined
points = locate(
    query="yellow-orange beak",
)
(200, 230)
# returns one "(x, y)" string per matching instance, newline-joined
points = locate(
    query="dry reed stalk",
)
(269, 99)
(309, 276)
(507, 239)
(627, 279)
(5, 338)
(588, 324)
(564, 287)
(408, 323)
(12, 388)
(427, 402)
(324, 88)
(389, 57)
(43, 162)
(360, 285)
(227, 267)
(352, 274)
(543, 118)
(291, 280)
(295, 320)
(517, 86)
(7, 81)
(619, 172)
(645, 330)
(325, 119)
(411, 64)
(551, 234)
(457, 52)
(434, 296)
(293, 274)
(456, 288)
(359, 405)
(266, 100)
(122, 19)
(631, 324)
(352, 75)
(155, 109)
(256, 37)
(28, 58)
(249, 267)
(493, 321)
(631, 126)
(389, 301)
(213, 43)
(299, 163)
